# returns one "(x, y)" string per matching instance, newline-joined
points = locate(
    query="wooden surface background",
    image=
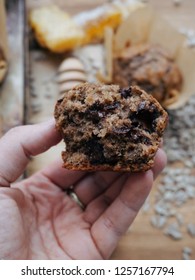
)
(142, 241)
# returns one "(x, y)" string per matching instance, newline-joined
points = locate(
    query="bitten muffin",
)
(109, 128)
(150, 67)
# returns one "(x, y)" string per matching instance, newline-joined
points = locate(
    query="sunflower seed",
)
(186, 253)
(191, 229)
(158, 221)
(174, 231)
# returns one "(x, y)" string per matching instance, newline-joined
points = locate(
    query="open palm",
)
(40, 221)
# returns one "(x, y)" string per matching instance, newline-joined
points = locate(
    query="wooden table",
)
(142, 241)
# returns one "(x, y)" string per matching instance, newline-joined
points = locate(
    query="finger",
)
(96, 207)
(93, 185)
(20, 143)
(65, 178)
(60, 176)
(99, 205)
(86, 185)
(114, 222)
(159, 162)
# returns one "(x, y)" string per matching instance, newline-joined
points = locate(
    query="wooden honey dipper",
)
(70, 73)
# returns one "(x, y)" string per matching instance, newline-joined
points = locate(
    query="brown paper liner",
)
(146, 26)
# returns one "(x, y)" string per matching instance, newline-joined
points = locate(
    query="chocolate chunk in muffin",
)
(106, 127)
(150, 67)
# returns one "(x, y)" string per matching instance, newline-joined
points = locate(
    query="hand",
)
(39, 220)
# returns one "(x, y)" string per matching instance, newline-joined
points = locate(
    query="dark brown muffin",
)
(109, 128)
(150, 67)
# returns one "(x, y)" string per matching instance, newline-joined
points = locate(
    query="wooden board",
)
(142, 241)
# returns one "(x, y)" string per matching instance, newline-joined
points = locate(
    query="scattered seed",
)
(173, 231)
(186, 256)
(187, 250)
(191, 229)
(186, 253)
(92, 63)
(158, 221)
(190, 36)
(179, 218)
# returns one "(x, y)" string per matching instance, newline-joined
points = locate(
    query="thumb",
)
(20, 143)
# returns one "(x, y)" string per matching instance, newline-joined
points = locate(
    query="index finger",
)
(114, 222)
